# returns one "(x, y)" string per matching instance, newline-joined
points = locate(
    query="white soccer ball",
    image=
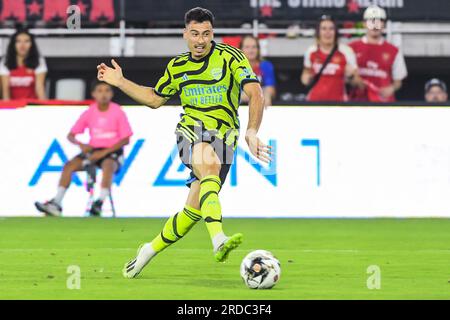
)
(260, 270)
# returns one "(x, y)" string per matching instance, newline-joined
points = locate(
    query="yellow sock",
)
(210, 205)
(176, 227)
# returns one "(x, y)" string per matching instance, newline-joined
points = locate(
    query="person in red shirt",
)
(380, 63)
(23, 70)
(330, 85)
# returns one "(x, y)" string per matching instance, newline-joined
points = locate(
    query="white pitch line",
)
(238, 250)
(189, 250)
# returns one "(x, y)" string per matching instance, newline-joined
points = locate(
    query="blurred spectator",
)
(327, 64)
(262, 68)
(381, 64)
(23, 70)
(436, 91)
(109, 131)
(234, 41)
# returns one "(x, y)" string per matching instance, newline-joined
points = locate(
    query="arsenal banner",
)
(93, 11)
(289, 10)
(230, 12)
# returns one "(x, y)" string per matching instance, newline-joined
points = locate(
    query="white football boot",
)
(144, 254)
(50, 208)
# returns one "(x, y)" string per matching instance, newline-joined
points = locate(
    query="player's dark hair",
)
(198, 15)
(32, 58)
(95, 83)
(258, 46)
(336, 28)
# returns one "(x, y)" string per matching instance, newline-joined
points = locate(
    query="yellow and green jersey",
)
(209, 90)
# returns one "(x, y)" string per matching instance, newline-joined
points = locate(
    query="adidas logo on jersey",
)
(217, 73)
(185, 77)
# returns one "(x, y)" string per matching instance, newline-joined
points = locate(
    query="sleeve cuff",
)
(162, 94)
(245, 81)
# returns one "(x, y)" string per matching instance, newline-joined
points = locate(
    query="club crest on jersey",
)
(216, 73)
(336, 60)
(185, 77)
(245, 72)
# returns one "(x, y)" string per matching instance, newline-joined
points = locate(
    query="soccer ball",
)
(260, 270)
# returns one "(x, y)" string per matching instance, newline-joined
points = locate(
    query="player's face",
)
(436, 94)
(198, 36)
(374, 27)
(327, 32)
(103, 94)
(250, 48)
(23, 44)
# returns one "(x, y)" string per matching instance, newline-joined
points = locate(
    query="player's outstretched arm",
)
(256, 108)
(114, 76)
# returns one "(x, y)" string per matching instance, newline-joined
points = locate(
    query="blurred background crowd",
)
(304, 52)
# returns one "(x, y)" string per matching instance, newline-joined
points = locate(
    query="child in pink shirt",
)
(106, 128)
(109, 132)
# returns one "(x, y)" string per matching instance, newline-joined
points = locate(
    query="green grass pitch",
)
(320, 259)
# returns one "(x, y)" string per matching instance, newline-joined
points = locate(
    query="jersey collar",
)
(205, 57)
(365, 40)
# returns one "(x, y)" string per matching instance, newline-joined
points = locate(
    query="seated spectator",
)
(381, 64)
(436, 91)
(262, 68)
(109, 132)
(327, 64)
(23, 70)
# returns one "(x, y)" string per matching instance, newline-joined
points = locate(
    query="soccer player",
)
(109, 132)
(381, 64)
(208, 80)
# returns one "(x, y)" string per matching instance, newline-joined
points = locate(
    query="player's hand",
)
(387, 92)
(85, 148)
(113, 76)
(259, 149)
(97, 155)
